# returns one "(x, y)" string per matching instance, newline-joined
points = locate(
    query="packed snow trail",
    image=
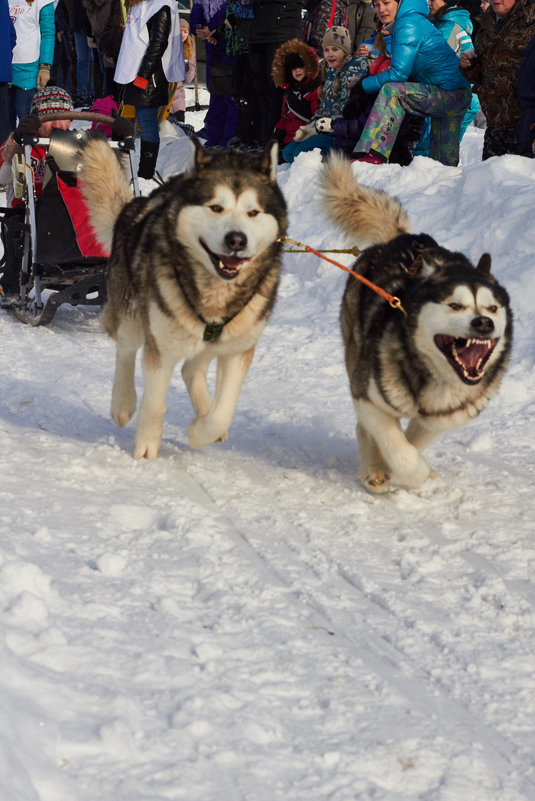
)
(245, 622)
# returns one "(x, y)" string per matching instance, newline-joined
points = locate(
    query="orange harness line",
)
(394, 301)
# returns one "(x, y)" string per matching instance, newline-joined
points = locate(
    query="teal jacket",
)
(420, 53)
(456, 28)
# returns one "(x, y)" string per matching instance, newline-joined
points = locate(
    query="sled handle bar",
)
(87, 116)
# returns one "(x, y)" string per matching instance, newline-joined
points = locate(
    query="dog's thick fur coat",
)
(193, 275)
(437, 365)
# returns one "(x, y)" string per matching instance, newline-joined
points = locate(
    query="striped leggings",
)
(446, 107)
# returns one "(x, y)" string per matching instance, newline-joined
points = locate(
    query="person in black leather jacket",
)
(145, 70)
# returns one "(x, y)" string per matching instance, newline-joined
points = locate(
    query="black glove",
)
(357, 103)
(26, 130)
(123, 131)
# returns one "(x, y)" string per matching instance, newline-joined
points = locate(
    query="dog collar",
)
(212, 331)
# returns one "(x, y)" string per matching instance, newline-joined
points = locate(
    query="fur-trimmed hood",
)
(308, 55)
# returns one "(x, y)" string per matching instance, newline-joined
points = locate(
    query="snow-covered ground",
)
(245, 623)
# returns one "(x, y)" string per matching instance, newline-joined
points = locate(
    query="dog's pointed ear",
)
(201, 156)
(270, 160)
(484, 264)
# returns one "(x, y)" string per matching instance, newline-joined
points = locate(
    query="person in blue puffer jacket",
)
(424, 78)
(455, 25)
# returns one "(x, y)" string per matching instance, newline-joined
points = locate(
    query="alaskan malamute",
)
(193, 275)
(436, 366)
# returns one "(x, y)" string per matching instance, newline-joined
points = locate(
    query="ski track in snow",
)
(245, 622)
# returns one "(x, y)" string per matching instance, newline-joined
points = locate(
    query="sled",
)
(51, 255)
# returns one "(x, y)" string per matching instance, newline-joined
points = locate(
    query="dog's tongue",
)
(471, 353)
(231, 262)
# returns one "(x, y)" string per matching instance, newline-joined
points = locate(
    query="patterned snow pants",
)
(446, 107)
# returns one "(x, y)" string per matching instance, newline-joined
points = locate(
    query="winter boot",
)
(147, 159)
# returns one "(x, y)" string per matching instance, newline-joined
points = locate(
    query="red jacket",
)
(298, 107)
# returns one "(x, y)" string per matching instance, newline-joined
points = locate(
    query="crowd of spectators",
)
(380, 80)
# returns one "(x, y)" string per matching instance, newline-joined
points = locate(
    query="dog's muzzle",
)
(227, 266)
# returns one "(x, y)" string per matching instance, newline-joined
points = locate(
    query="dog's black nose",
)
(483, 325)
(235, 240)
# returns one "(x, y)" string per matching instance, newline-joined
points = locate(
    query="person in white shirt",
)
(33, 54)
(150, 58)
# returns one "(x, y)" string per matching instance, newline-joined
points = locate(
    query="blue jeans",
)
(19, 104)
(83, 61)
(147, 119)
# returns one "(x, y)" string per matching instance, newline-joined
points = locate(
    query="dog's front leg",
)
(194, 375)
(420, 436)
(157, 378)
(407, 465)
(374, 472)
(231, 372)
(123, 397)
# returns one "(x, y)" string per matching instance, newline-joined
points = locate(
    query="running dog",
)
(438, 362)
(193, 275)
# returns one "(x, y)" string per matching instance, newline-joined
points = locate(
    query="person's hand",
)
(467, 58)
(204, 32)
(43, 76)
(324, 125)
(124, 131)
(363, 50)
(305, 131)
(27, 128)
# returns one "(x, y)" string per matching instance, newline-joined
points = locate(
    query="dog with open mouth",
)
(193, 275)
(438, 362)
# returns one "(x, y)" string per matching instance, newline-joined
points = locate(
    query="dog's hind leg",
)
(374, 472)
(194, 375)
(211, 427)
(157, 378)
(407, 465)
(123, 396)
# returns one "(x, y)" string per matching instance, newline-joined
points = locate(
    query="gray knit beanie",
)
(339, 37)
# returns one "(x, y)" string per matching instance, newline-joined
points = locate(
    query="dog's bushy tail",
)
(368, 216)
(105, 188)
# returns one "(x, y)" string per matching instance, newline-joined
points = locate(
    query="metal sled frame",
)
(82, 283)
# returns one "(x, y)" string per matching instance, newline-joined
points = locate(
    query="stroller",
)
(51, 255)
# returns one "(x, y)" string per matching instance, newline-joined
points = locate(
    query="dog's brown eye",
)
(492, 309)
(253, 213)
(455, 306)
(216, 209)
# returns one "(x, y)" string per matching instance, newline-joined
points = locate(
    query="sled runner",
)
(51, 255)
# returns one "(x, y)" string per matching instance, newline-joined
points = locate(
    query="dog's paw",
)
(418, 475)
(201, 433)
(123, 409)
(376, 481)
(145, 449)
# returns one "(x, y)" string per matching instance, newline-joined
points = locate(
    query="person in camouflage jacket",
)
(506, 29)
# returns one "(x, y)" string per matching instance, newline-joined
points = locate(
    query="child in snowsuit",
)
(343, 71)
(296, 71)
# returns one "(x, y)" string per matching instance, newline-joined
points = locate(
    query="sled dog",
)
(193, 275)
(439, 363)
